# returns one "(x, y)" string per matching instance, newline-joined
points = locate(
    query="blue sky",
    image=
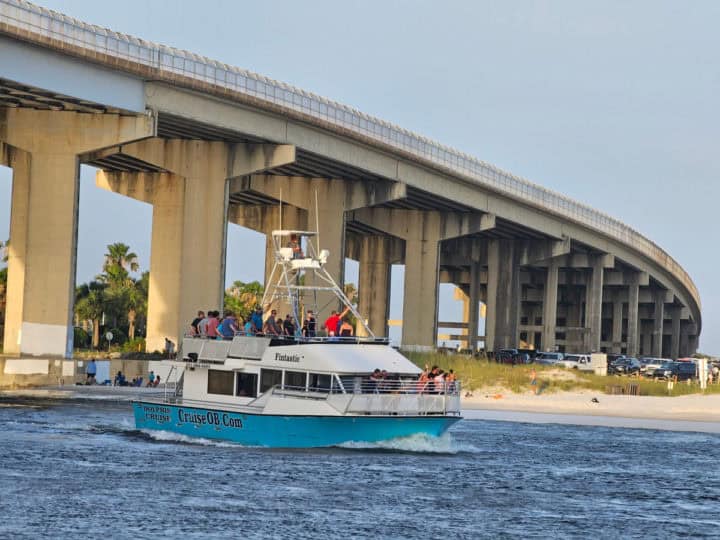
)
(612, 103)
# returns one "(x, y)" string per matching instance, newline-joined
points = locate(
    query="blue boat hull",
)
(283, 431)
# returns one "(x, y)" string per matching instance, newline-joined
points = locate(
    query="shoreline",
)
(688, 408)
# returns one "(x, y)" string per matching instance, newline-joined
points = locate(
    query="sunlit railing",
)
(360, 395)
(32, 22)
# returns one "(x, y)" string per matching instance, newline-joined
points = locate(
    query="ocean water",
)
(79, 469)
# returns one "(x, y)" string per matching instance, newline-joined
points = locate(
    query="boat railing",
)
(276, 340)
(356, 395)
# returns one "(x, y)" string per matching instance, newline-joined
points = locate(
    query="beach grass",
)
(477, 374)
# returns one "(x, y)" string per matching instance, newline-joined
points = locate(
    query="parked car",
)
(624, 366)
(649, 365)
(512, 356)
(576, 361)
(611, 357)
(682, 371)
(548, 358)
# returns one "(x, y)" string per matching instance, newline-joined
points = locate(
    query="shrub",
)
(81, 339)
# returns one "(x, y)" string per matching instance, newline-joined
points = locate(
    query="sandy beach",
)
(693, 408)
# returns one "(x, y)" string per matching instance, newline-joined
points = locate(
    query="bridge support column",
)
(633, 343)
(593, 305)
(675, 338)
(473, 307)
(658, 320)
(43, 224)
(617, 325)
(684, 339)
(422, 253)
(501, 327)
(550, 306)
(374, 284)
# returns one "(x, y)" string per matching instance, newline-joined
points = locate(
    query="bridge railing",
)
(168, 61)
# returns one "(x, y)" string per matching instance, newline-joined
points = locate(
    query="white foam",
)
(169, 436)
(420, 443)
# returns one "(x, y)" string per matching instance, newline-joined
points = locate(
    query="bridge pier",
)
(593, 304)
(617, 324)
(658, 323)
(633, 322)
(374, 283)
(503, 298)
(43, 225)
(550, 296)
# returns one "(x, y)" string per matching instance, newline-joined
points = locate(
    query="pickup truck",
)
(576, 361)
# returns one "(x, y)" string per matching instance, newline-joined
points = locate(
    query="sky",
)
(612, 103)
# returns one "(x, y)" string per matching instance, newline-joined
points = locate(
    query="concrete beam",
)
(396, 222)
(533, 252)
(300, 191)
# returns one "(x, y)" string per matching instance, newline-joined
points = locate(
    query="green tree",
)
(137, 296)
(241, 298)
(119, 262)
(90, 303)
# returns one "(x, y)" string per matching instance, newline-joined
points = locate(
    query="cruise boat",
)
(299, 390)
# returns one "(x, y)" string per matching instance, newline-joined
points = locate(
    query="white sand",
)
(697, 408)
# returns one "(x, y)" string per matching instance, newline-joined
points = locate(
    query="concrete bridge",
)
(206, 144)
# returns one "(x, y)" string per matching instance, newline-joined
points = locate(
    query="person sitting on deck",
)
(296, 247)
(346, 329)
(157, 380)
(151, 378)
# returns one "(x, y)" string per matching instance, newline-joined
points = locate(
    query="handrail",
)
(182, 67)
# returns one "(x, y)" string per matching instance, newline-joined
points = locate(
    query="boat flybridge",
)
(302, 389)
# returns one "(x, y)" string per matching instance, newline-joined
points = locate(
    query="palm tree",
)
(119, 262)
(137, 301)
(90, 304)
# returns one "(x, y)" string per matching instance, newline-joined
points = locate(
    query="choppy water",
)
(80, 469)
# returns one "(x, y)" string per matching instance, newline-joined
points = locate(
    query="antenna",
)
(280, 227)
(317, 223)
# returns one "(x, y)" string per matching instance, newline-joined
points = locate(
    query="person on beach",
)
(533, 381)
(90, 372)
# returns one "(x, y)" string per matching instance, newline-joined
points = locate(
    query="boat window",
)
(319, 382)
(220, 382)
(269, 378)
(246, 385)
(295, 380)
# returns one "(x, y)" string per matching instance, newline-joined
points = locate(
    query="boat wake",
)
(420, 443)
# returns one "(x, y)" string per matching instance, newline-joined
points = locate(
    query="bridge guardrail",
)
(66, 30)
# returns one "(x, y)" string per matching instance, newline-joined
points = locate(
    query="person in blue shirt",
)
(229, 325)
(250, 328)
(91, 371)
(257, 320)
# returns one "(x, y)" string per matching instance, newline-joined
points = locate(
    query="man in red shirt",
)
(331, 323)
